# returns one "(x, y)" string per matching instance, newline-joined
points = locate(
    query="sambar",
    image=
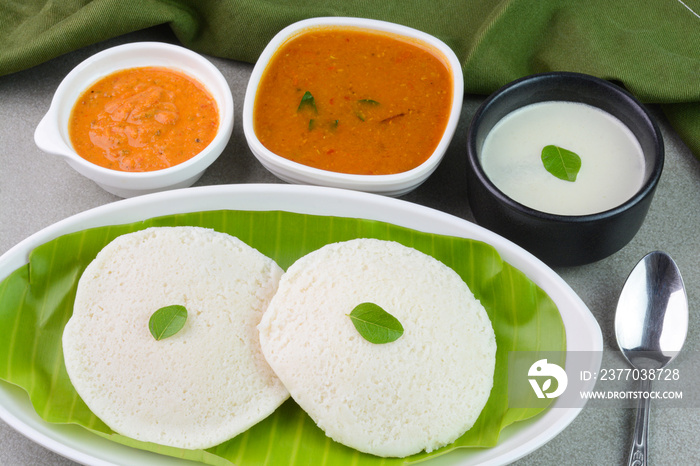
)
(349, 100)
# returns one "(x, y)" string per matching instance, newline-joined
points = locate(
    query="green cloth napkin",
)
(652, 47)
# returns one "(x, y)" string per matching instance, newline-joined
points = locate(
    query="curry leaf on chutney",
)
(307, 101)
(561, 162)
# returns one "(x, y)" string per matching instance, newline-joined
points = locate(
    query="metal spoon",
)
(651, 323)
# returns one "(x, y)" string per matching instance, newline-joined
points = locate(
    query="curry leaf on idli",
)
(167, 321)
(375, 324)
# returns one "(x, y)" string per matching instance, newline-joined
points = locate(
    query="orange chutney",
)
(353, 101)
(143, 119)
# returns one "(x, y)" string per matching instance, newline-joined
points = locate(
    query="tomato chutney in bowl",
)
(140, 118)
(353, 103)
(143, 119)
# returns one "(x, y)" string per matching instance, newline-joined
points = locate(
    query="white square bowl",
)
(391, 185)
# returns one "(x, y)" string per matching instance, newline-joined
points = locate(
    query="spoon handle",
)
(638, 454)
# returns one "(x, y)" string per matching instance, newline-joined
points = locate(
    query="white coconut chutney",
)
(612, 162)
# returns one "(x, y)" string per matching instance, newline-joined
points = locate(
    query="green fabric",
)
(652, 47)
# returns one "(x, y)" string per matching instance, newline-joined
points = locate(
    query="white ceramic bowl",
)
(392, 185)
(51, 134)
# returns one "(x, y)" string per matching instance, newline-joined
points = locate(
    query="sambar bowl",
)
(52, 133)
(563, 239)
(392, 184)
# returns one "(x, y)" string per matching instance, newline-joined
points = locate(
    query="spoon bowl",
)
(651, 323)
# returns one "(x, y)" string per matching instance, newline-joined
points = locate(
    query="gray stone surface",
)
(37, 190)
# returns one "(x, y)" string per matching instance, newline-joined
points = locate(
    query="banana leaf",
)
(36, 301)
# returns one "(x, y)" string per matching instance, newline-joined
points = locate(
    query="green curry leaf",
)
(167, 321)
(561, 163)
(364, 103)
(307, 101)
(375, 324)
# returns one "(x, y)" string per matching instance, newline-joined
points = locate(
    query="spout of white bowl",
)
(48, 138)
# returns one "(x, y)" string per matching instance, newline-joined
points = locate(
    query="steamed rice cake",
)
(420, 392)
(199, 387)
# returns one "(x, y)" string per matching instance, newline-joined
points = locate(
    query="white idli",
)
(205, 384)
(420, 392)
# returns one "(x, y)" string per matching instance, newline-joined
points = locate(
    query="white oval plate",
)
(76, 443)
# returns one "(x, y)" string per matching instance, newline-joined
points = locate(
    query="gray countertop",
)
(37, 190)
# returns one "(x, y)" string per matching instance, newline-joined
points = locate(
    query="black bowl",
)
(563, 240)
